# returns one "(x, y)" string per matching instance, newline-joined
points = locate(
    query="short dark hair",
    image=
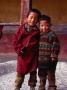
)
(45, 17)
(35, 11)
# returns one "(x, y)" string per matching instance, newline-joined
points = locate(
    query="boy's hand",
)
(23, 52)
(54, 57)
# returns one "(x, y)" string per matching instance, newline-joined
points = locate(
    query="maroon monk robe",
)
(30, 41)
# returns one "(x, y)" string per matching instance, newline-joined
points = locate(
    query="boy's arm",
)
(16, 41)
(55, 48)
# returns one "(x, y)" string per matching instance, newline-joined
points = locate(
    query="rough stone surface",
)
(8, 75)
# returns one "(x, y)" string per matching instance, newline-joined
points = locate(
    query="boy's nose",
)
(44, 27)
(33, 20)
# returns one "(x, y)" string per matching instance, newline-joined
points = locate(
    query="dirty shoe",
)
(52, 88)
(17, 88)
(32, 88)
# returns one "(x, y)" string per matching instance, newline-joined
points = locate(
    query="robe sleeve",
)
(17, 40)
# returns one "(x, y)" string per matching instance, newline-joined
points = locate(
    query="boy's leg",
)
(51, 79)
(32, 80)
(42, 76)
(18, 82)
(42, 83)
(51, 76)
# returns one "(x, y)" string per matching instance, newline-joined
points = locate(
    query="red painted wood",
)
(24, 9)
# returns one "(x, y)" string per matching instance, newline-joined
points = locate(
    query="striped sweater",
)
(49, 46)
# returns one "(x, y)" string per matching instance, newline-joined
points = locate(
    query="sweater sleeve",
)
(55, 46)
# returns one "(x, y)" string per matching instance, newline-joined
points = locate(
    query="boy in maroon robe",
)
(26, 44)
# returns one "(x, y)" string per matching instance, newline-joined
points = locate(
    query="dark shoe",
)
(52, 88)
(42, 83)
(17, 88)
(32, 88)
(41, 88)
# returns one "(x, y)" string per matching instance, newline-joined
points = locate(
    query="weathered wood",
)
(24, 9)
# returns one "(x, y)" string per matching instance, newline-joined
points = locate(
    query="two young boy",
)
(31, 43)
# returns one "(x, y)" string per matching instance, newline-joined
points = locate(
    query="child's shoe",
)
(17, 88)
(52, 88)
(32, 88)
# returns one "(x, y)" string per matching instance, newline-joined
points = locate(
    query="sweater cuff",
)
(53, 55)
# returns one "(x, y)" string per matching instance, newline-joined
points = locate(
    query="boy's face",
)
(32, 18)
(44, 26)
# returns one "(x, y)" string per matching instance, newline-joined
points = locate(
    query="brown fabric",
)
(17, 88)
(33, 79)
(42, 83)
(51, 78)
(32, 88)
(19, 80)
(43, 73)
(52, 88)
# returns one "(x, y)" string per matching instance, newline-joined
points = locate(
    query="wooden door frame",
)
(30, 4)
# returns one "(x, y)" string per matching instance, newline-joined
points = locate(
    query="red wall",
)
(6, 45)
(63, 48)
(8, 32)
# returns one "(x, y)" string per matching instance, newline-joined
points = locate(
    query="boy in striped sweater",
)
(48, 54)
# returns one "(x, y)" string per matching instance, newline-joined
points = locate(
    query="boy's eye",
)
(41, 25)
(31, 17)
